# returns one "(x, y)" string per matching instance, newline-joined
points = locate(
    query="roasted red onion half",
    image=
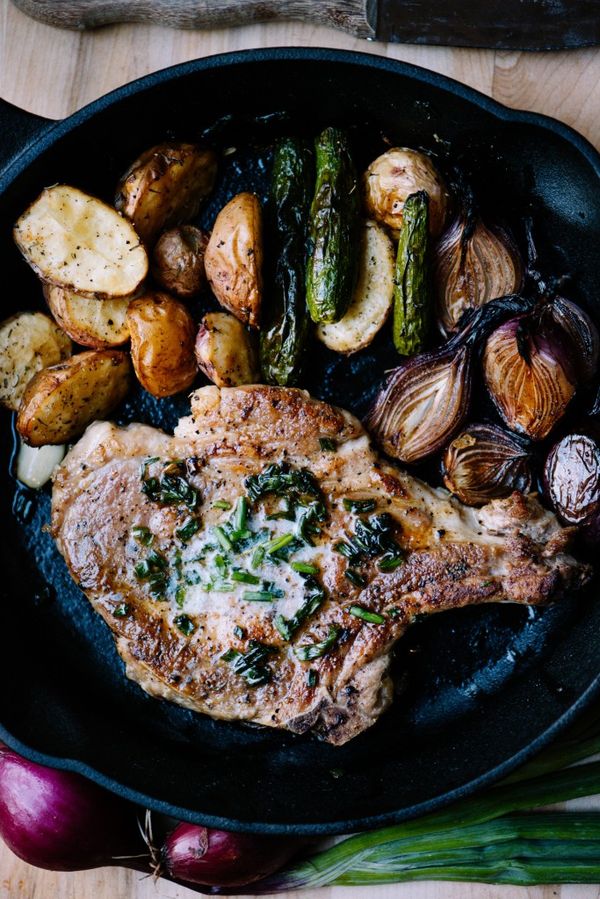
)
(474, 264)
(572, 477)
(485, 462)
(427, 399)
(534, 363)
(530, 375)
(580, 331)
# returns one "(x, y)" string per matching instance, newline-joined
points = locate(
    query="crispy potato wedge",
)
(165, 186)
(61, 401)
(162, 344)
(93, 323)
(225, 351)
(76, 241)
(234, 256)
(178, 261)
(29, 341)
(372, 298)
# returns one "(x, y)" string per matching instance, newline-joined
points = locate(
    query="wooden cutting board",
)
(54, 72)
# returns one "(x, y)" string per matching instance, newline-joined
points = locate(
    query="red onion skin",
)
(572, 480)
(217, 858)
(59, 820)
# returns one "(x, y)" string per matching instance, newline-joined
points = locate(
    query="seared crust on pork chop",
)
(205, 613)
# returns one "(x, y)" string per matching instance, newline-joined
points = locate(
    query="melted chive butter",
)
(198, 598)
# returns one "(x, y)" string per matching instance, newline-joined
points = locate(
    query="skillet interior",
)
(485, 686)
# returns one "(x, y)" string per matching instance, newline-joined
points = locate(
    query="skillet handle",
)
(18, 129)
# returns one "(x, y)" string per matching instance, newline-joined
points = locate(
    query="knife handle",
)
(355, 16)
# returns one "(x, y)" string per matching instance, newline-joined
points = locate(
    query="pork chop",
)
(261, 564)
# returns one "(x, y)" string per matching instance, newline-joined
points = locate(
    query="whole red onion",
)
(59, 820)
(217, 858)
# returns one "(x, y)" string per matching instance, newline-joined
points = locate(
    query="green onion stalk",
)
(493, 837)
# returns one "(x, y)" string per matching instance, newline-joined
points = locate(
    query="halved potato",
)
(29, 341)
(393, 177)
(225, 351)
(61, 401)
(76, 241)
(93, 323)
(234, 256)
(162, 343)
(165, 187)
(178, 261)
(372, 298)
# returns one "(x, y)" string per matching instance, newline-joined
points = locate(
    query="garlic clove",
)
(36, 464)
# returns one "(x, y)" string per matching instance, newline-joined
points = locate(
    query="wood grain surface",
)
(52, 73)
(355, 16)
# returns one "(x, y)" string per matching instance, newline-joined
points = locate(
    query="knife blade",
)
(497, 24)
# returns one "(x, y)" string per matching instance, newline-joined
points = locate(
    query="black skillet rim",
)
(52, 133)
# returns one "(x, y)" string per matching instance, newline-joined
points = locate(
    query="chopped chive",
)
(310, 651)
(121, 611)
(314, 596)
(312, 677)
(222, 564)
(304, 568)
(258, 596)
(395, 612)
(241, 514)
(239, 632)
(359, 505)
(142, 535)
(142, 570)
(327, 444)
(258, 557)
(355, 578)
(366, 615)
(278, 543)
(180, 596)
(251, 665)
(223, 539)
(244, 577)
(156, 560)
(222, 587)
(221, 504)
(188, 529)
(185, 625)
(270, 587)
(390, 563)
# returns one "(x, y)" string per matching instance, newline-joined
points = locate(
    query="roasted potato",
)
(165, 187)
(162, 343)
(77, 242)
(95, 323)
(225, 351)
(372, 298)
(393, 177)
(29, 341)
(61, 401)
(234, 256)
(178, 261)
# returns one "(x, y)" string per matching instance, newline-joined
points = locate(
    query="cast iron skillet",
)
(485, 687)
